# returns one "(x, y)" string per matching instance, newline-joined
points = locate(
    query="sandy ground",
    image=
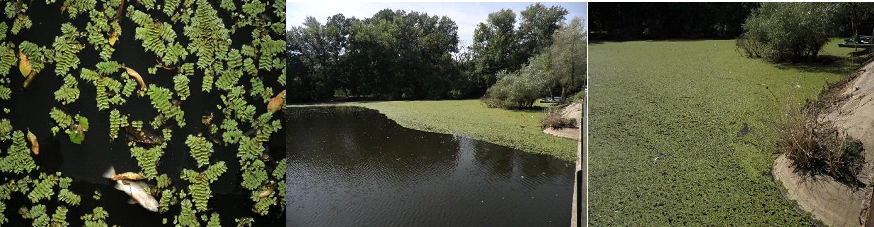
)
(574, 110)
(833, 203)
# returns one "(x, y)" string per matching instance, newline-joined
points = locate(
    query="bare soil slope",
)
(574, 110)
(829, 201)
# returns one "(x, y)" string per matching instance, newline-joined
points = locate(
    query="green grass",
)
(518, 129)
(664, 130)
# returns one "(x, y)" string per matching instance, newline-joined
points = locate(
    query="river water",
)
(351, 166)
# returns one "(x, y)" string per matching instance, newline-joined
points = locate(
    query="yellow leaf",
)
(136, 77)
(276, 102)
(113, 38)
(33, 142)
(24, 65)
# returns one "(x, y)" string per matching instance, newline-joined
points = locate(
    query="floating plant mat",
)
(177, 91)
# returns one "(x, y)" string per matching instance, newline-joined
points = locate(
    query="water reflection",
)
(353, 167)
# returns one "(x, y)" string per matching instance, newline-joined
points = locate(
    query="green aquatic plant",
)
(236, 105)
(69, 197)
(228, 5)
(232, 132)
(116, 122)
(17, 159)
(43, 188)
(201, 149)
(160, 98)
(64, 182)
(76, 7)
(163, 181)
(37, 213)
(214, 220)
(103, 27)
(167, 200)
(7, 57)
(279, 176)
(5, 129)
(62, 120)
(254, 174)
(3, 29)
(3, 218)
(148, 160)
(17, 11)
(199, 187)
(77, 132)
(186, 216)
(281, 78)
(59, 218)
(210, 40)
(168, 133)
(130, 86)
(97, 218)
(69, 91)
(180, 83)
(208, 78)
(35, 54)
(244, 221)
(106, 68)
(170, 6)
(157, 37)
(65, 49)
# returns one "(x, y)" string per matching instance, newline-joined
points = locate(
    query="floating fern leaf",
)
(244, 221)
(232, 132)
(170, 6)
(69, 197)
(116, 121)
(160, 98)
(163, 181)
(3, 218)
(262, 204)
(43, 188)
(228, 5)
(21, 22)
(201, 149)
(180, 83)
(148, 159)
(75, 7)
(281, 78)
(279, 172)
(254, 174)
(207, 81)
(214, 220)
(60, 217)
(69, 91)
(18, 159)
(200, 193)
(5, 129)
(129, 86)
(187, 216)
(209, 37)
(228, 79)
(7, 56)
(101, 97)
(253, 8)
(65, 48)
(5, 92)
(64, 182)
(97, 218)
(35, 55)
(167, 199)
(89, 75)
(108, 67)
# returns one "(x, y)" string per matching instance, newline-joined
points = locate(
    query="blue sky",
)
(466, 14)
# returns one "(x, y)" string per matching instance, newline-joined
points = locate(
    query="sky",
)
(465, 14)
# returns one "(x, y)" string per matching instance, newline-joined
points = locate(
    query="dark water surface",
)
(350, 166)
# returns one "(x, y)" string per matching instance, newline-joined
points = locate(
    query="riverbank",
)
(518, 129)
(689, 139)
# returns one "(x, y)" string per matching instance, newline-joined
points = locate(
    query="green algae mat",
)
(666, 145)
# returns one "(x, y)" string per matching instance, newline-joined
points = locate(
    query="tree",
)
(568, 55)
(495, 47)
(789, 31)
(537, 28)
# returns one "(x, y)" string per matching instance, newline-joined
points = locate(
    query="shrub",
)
(555, 121)
(819, 148)
(518, 89)
(788, 31)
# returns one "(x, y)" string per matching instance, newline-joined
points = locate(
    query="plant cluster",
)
(788, 32)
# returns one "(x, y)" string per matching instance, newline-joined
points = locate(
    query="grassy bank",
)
(471, 118)
(666, 146)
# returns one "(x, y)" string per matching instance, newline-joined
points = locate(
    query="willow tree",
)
(568, 55)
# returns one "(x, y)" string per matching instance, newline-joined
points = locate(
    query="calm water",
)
(352, 166)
